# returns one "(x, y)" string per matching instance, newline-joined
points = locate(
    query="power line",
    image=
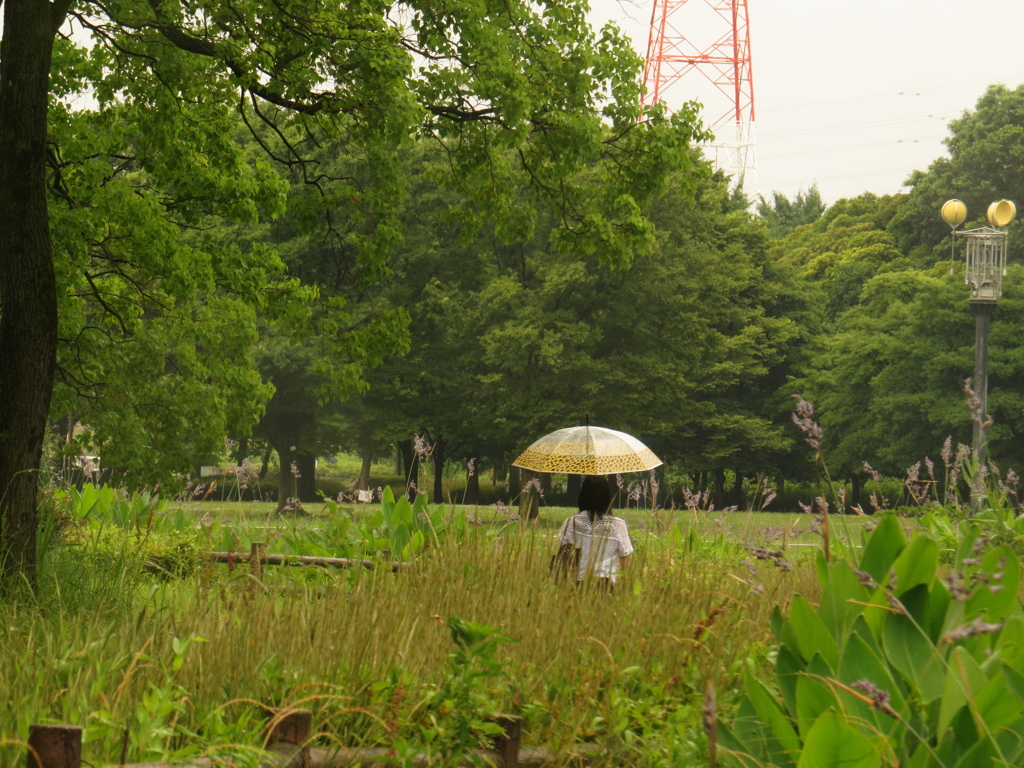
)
(856, 126)
(838, 177)
(914, 92)
(845, 147)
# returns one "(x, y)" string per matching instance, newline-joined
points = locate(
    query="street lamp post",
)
(986, 267)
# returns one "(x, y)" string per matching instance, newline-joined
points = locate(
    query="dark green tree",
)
(691, 343)
(845, 248)
(783, 215)
(889, 382)
(519, 95)
(986, 149)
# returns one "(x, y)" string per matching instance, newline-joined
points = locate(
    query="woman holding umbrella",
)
(601, 538)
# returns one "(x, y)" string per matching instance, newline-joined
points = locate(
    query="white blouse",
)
(601, 543)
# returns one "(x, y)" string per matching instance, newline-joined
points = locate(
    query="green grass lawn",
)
(766, 529)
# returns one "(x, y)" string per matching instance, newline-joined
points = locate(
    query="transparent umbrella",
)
(588, 451)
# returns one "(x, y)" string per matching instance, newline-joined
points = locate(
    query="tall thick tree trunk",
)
(545, 484)
(287, 483)
(473, 480)
(28, 286)
(529, 499)
(719, 480)
(856, 486)
(265, 465)
(284, 431)
(283, 437)
(410, 467)
(307, 477)
(780, 490)
(242, 450)
(573, 483)
(363, 483)
(438, 458)
(515, 482)
(500, 471)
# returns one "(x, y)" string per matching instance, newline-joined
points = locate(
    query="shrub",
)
(895, 666)
(109, 528)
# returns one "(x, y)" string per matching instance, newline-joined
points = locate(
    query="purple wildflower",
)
(879, 698)
(975, 628)
(803, 417)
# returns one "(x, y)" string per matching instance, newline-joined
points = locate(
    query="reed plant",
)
(180, 670)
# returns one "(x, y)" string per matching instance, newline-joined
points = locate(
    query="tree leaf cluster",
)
(888, 371)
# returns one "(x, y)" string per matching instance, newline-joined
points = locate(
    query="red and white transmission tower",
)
(690, 39)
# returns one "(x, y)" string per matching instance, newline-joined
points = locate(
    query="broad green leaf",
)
(928, 605)
(860, 627)
(784, 631)
(816, 694)
(886, 543)
(414, 546)
(784, 743)
(958, 737)
(969, 538)
(1014, 681)
(814, 697)
(876, 610)
(996, 705)
(860, 663)
(788, 668)
(982, 753)
(748, 734)
(916, 564)
(921, 758)
(996, 600)
(823, 568)
(833, 743)
(1010, 741)
(727, 740)
(812, 636)
(1010, 644)
(963, 679)
(835, 607)
(914, 656)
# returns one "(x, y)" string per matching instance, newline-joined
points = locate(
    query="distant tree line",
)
(479, 332)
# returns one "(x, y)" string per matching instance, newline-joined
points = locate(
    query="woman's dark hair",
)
(595, 495)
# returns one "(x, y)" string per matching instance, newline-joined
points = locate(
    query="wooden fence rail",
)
(257, 558)
(287, 736)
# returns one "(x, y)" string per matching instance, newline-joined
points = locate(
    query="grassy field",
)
(773, 529)
(159, 670)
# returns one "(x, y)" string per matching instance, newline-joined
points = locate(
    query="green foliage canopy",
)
(518, 95)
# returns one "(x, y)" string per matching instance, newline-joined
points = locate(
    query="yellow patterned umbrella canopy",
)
(588, 451)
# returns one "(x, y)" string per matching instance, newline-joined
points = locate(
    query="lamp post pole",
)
(985, 269)
(983, 312)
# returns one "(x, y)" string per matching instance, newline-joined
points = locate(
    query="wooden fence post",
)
(507, 743)
(255, 553)
(54, 746)
(292, 726)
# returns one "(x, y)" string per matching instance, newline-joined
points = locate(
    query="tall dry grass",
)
(363, 649)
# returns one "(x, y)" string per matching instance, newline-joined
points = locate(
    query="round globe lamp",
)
(953, 213)
(1001, 213)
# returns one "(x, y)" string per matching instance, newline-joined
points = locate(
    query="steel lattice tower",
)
(690, 39)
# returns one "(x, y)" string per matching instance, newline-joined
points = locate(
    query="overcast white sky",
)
(853, 96)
